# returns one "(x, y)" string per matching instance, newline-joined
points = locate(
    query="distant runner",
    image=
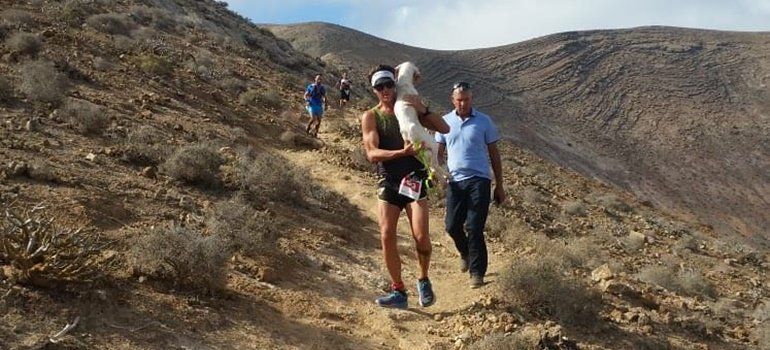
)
(344, 85)
(315, 96)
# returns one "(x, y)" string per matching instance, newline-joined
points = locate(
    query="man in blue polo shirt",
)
(470, 146)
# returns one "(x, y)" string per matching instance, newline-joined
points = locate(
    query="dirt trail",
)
(409, 329)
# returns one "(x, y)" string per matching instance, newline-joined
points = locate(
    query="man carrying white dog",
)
(471, 145)
(402, 183)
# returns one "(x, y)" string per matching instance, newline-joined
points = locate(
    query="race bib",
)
(410, 187)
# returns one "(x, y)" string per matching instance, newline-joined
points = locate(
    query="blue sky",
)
(465, 24)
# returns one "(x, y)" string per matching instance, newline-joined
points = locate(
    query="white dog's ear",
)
(397, 67)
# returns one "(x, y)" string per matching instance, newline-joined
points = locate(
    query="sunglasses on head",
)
(461, 85)
(389, 84)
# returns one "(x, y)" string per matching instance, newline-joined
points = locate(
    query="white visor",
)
(382, 75)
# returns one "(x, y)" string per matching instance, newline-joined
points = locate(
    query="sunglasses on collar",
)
(389, 85)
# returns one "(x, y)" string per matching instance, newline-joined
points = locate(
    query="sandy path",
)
(409, 329)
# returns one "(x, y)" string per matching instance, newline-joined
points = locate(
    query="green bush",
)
(24, 43)
(41, 81)
(182, 256)
(196, 164)
(111, 23)
(86, 117)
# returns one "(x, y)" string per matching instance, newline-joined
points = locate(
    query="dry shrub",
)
(692, 282)
(102, 64)
(157, 18)
(270, 99)
(250, 231)
(42, 171)
(18, 18)
(512, 341)
(111, 23)
(269, 177)
(762, 331)
(233, 85)
(41, 251)
(155, 65)
(24, 43)
(686, 244)
(632, 243)
(41, 81)
(659, 275)
(6, 90)
(202, 65)
(571, 253)
(342, 127)
(496, 224)
(74, 12)
(532, 196)
(613, 203)
(86, 117)
(574, 208)
(145, 146)
(196, 164)
(762, 312)
(685, 281)
(540, 285)
(124, 43)
(183, 256)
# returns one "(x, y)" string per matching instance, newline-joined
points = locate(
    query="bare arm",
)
(372, 142)
(497, 168)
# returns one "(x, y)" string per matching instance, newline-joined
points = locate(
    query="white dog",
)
(408, 122)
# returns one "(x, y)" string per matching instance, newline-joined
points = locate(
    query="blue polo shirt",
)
(466, 145)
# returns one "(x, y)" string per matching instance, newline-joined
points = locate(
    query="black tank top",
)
(390, 139)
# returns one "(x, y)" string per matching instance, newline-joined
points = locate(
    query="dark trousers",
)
(467, 206)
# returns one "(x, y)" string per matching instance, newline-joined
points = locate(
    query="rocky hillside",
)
(677, 116)
(157, 191)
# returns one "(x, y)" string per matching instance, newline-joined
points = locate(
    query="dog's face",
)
(408, 72)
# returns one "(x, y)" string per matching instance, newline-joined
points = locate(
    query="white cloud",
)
(462, 24)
